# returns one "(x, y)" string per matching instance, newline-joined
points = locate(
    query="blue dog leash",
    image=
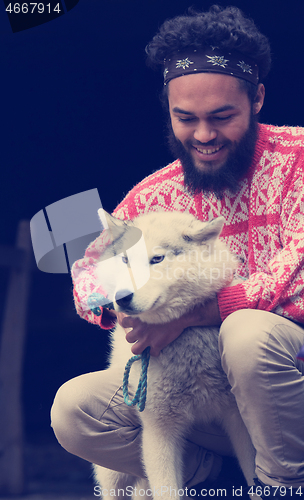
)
(94, 302)
(141, 392)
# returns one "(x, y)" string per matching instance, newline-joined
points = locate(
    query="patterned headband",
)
(211, 60)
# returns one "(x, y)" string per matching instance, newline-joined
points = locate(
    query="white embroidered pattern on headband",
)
(245, 67)
(183, 63)
(218, 61)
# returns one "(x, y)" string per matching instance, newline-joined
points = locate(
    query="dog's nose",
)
(123, 297)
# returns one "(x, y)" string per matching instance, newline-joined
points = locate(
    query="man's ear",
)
(259, 99)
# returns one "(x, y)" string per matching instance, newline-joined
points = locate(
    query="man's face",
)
(214, 129)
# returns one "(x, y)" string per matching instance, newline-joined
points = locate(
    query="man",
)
(214, 64)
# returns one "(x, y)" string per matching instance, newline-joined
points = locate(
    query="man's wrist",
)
(206, 314)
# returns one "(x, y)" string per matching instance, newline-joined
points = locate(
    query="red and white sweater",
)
(264, 225)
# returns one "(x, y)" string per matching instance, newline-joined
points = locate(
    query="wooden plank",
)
(11, 256)
(15, 257)
(11, 364)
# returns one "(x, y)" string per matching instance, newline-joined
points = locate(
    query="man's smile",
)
(208, 151)
(203, 154)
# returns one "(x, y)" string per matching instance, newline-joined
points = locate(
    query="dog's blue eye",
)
(125, 260)
(157, 259)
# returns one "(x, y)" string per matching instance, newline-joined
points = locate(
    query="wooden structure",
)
(20, 261)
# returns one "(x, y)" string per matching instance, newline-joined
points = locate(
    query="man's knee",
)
(241, 331)
(249, 338)
(242, 340)
(66, 412)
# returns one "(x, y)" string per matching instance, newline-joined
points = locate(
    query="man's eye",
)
(185, 119)
(125, 260)
(157, 259)
(222, 118)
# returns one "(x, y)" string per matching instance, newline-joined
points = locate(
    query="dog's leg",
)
(241, 443)
(111, 483)
(142, 490)
(162, 442)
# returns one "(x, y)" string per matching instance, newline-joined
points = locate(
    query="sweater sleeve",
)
(85, 282)
(280, 289)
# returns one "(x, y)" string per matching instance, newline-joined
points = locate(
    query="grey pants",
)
(258, 352)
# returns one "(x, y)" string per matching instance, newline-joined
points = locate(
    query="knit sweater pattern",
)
(264, 226)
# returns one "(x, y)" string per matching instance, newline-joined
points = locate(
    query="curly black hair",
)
(227, 28)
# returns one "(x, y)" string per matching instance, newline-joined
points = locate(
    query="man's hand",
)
(158, 336)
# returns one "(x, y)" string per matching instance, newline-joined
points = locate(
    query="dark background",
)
(79, 110)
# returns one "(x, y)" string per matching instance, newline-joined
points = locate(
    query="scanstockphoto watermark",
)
(134, 491)
(235, 491)
(207, 263)
(206, 253)
(193, 274)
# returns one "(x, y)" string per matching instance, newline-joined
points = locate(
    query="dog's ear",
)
(116, 227)
(206, 232)
(123, 233)
(107, 220)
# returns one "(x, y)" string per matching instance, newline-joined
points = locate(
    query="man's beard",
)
(226, 177)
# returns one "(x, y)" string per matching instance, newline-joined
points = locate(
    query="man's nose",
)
(204, 133)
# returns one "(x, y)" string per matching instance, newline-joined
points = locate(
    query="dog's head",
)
(162, 264)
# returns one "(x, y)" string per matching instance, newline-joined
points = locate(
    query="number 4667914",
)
(30, 8)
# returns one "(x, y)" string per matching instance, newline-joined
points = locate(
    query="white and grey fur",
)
(188, 265)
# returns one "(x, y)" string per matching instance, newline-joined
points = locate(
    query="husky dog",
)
(184, 264)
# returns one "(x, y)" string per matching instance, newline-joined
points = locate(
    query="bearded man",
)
(214, 65)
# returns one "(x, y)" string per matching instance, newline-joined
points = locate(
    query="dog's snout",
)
(123, 297)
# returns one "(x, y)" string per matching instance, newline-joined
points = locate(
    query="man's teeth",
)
(209, 151)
